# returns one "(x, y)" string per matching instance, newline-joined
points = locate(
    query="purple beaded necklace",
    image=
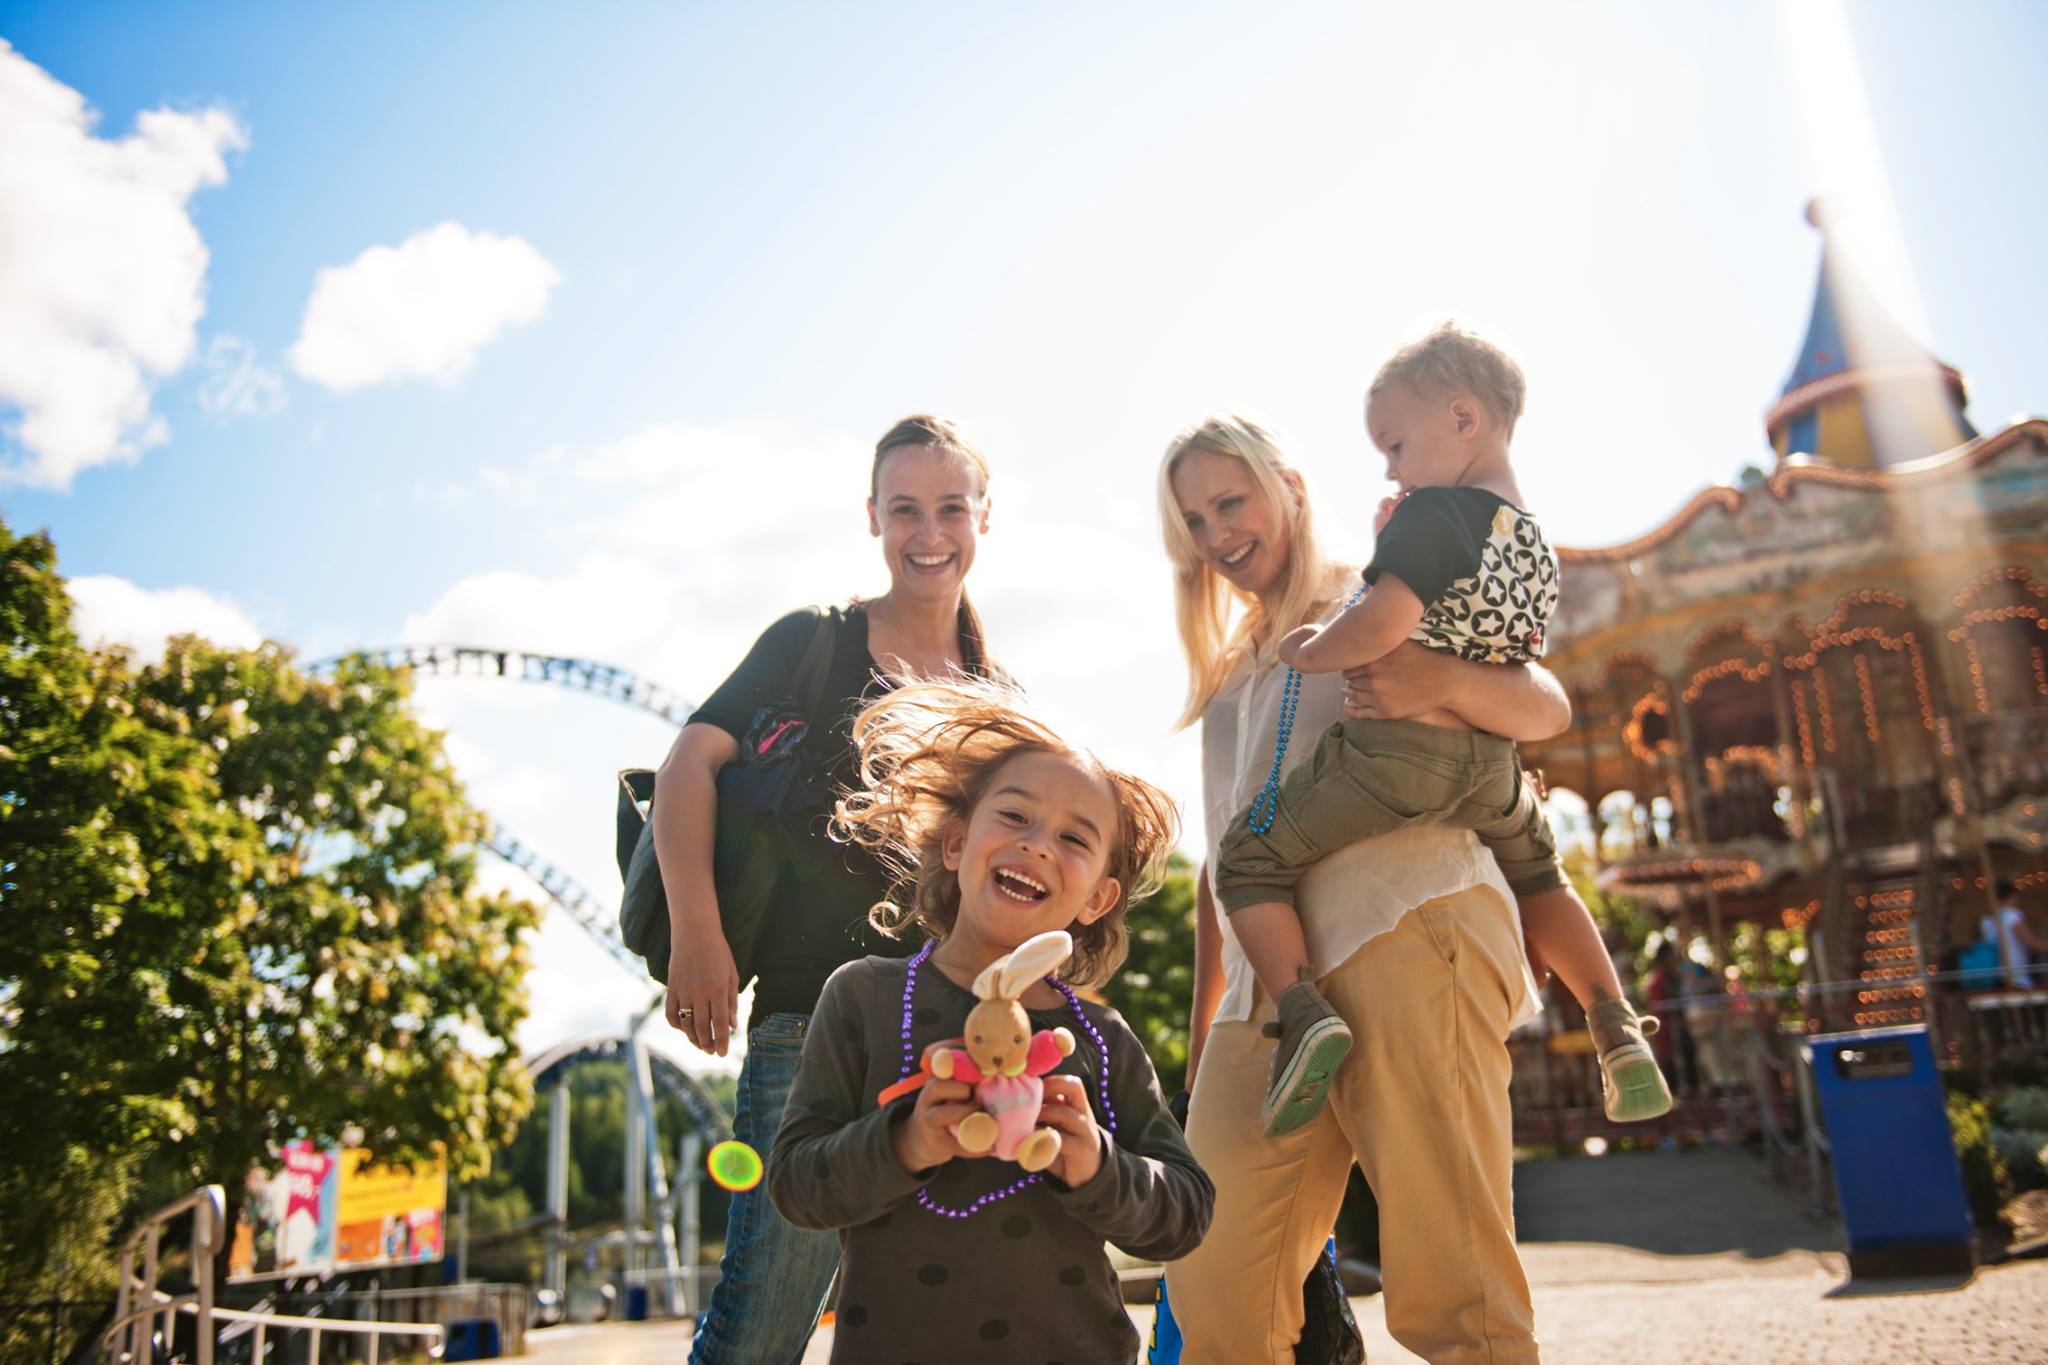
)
(924, 1198)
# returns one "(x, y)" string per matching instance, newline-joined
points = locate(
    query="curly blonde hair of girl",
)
(928, 751)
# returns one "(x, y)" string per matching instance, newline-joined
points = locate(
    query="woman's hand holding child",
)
(1066, 1108)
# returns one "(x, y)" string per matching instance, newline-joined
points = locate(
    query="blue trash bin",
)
(636, 1303)
(1901, 1192)
(473, 1339)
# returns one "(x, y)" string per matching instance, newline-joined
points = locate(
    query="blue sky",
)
(763, 235)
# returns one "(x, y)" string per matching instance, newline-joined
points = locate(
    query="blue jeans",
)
(773, 1277)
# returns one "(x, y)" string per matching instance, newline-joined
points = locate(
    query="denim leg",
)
(773, 1277)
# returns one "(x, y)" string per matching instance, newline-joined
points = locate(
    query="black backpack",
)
(769, 800)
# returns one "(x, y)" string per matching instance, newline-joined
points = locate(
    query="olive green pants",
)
(1371, 777)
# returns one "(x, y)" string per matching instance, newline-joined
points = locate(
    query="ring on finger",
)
(684, 1014)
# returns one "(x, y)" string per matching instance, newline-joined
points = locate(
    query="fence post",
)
(1809, 1120)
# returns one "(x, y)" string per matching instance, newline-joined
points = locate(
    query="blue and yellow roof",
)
(1863, 393)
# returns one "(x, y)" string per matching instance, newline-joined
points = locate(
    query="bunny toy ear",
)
(1033, 958)
(989, 985)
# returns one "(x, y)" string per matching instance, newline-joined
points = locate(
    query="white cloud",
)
(102, 274)
(419, 310)
(236, 384)
(115, 611)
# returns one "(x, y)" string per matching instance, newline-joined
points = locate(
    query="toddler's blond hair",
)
(1453, 359)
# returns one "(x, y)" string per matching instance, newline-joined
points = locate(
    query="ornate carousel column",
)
(1958, 778)
(1689, 772)
(1798, 779)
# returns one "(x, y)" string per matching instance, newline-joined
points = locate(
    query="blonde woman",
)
(1413, 936)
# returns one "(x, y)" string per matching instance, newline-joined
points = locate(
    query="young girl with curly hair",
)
(999, 831)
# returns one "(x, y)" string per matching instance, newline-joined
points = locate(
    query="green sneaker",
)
(1631, 1083)
(1313, 1043)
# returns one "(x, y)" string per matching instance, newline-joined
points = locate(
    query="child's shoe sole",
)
(1634, 1084)
(1298, 1095)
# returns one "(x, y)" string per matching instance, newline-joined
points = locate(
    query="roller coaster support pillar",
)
(557, 1277)
(690, 1178)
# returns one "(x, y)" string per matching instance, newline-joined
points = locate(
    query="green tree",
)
(241, 908)
(350, 976)
(100, 813)
(1155, 988)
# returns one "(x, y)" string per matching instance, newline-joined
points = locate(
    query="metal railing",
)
(1715, 1081)
(315, 1328)
(505, 1305)
(145, 1316)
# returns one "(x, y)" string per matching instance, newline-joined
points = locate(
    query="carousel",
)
(1818, 699)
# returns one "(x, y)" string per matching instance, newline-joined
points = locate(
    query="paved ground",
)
(1653, 1260)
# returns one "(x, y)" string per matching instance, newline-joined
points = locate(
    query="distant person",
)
(928, 506)
(2015, 939)
(1004, 834)
(1461, 568)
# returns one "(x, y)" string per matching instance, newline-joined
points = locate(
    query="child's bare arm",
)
(1381, 620)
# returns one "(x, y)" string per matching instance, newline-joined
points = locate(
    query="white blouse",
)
(1357, 893)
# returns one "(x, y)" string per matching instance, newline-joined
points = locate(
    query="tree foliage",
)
(241, 908)
(1155, 988)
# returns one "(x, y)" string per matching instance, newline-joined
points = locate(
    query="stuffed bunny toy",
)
(1004, 1060)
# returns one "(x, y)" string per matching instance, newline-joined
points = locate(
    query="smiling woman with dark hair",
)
(928, 505)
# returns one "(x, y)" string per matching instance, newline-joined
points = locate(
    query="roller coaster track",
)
(478, 661)
(598, 918)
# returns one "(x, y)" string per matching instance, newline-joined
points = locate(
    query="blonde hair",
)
(1204, 601)
(1453, 359)
(928, 752)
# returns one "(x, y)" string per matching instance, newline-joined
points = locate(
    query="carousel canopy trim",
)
(1792, 476)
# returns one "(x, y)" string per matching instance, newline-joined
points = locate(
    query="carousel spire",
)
(1863, 393)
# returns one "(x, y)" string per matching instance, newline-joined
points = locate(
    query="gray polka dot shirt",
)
(1027, 1277)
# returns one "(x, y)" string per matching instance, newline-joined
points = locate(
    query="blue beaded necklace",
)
(1267, 803)
(924, 1198)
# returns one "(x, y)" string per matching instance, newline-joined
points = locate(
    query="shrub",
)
(2024, 1107)
(2019, 1151)
(1984, 1178)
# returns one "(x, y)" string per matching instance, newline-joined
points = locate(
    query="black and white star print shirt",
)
(1486, 576)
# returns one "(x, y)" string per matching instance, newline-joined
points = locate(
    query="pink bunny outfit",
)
(1012, 1101)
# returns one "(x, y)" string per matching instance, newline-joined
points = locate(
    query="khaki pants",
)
(1421, 1105)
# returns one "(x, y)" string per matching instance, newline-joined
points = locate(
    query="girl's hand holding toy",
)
(925, 1138)
(1066, 1109)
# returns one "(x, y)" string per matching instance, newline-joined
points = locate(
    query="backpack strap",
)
(807, 685)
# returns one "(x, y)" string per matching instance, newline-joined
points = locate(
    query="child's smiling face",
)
(1426, 439)
(1033, 854)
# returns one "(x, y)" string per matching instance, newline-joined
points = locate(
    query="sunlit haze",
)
(571, 331)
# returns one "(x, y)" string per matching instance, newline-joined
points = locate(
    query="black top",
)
(1023, 1279)
(806, 937)
(1486, 576)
